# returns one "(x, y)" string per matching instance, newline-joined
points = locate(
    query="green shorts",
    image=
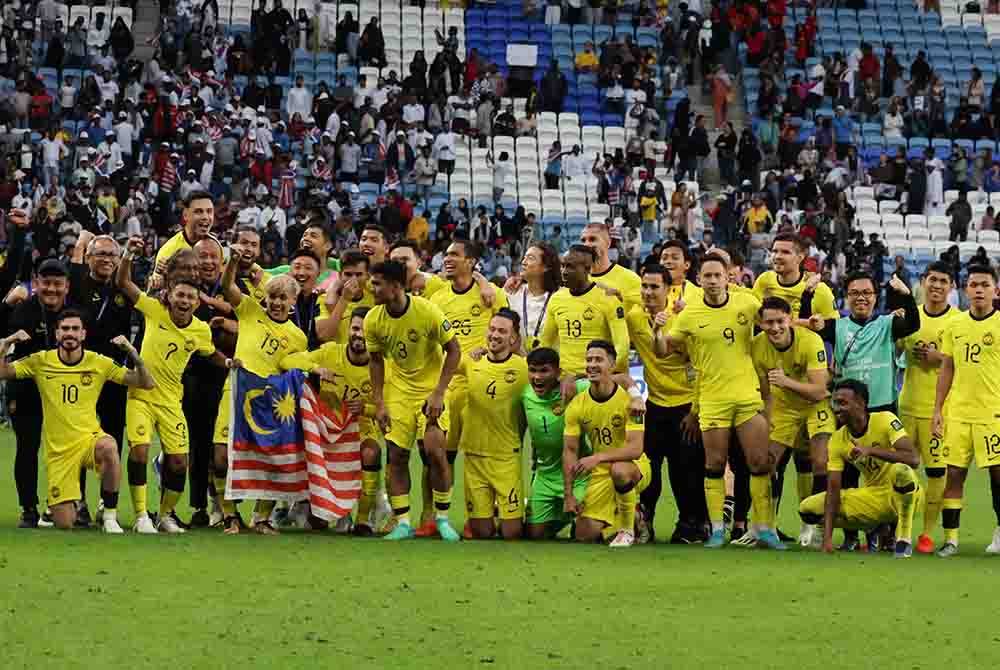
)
(546, 502)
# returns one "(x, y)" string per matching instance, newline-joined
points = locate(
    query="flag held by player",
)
(286, 444)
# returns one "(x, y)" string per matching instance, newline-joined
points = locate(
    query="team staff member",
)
(36, 316)
(197, 218)
(108, 314)
(69, 381)
(670, 419)
(627, 283)
(540, 273)
(308, 305)
(969, 382)
(923, 355)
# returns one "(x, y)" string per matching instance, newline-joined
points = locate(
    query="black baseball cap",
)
(52, 267)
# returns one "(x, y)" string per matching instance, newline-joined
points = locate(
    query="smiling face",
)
(500, 336)
(249, 241)
(315, 240)
(356, 336)
(861, 295)
(533, 264)
(102, 258)
(279, 303)
(209, 255)
(52, 291)
(372, 244)
(599, 364)
(846, 404)
(183, 301)
(456, 263)
(673, 259)
(198, 218)
(543, 378)
(305, 270)
(937, 286)
(777, 325)
(70, 334)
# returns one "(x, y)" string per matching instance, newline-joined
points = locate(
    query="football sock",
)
(904, 490)
(951, 514)
(761, 504)
(804, 485)
(625, 509)
(137, 485)
(110, 500)
(427, 496)
(228, 506)
(995, 489)
(933, 496)
(173, 489)
(262, 510)
(401, 508)
(715, 497)
(369, 488)
(442, 503)
(819, 484)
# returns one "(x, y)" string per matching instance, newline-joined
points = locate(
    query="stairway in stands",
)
(147, 18)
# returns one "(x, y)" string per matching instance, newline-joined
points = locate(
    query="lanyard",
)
(311, 316)
(541, 316)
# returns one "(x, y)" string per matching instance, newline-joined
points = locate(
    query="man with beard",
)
(197, 218)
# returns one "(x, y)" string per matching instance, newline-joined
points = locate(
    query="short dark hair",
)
(514, 317)
(940, 267)
(306, 253)
(657, 269)
(378, 229)
(361, 312)
(247, 228)
(790, 237)
(184, 281)
(718, 258)
(859, 388)
(70, 313)
(392, 271)
(859, 275)
(606, 346)
(406, 244)
(470, 248)
(199, 194)
(354, 257)
(323, 227)
(677, 244)
(585, 250)
(981, 269)
(543, 356)
(774, 302)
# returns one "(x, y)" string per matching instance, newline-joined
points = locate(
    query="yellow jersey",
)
(573, 320)
(628, 283)
(493, 406)
(351, 380)
(884, 430)
(603, 424)
(920, 379)
(166, 350)
(173, 245)
(974, 345)
(344, 327)
(769, 284)
(806, 353)
(257, 292)
(669, 381)
(718, 343)
(263, 342)
(69, 393)
(469, 318)
(432, 284)
(411, 343)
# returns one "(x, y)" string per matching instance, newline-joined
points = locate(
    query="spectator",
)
(586, 61)
(425, 174)
(371, 46)
(960, 212)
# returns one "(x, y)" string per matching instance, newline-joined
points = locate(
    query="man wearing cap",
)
(350, 157)
(85, 173)
(37, 317)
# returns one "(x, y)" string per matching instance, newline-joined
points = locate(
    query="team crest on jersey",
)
(86, 379)
(617, 421)
(54, 492)
(366, 388)
(510, 376)
(988, 339)
(588, 314)
(120, 300)
(189, 346)
(741, 319)
(413, 335)
(476, 310)
(141, 430)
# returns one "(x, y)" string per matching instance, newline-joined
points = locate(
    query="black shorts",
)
(446, 167)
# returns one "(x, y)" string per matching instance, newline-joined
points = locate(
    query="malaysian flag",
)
(286, 444)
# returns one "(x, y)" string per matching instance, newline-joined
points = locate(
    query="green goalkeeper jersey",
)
(546, 429)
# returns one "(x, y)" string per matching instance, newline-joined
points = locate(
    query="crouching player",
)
(877, 445)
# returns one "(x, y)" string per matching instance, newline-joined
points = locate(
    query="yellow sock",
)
(625, 510)
(761, 504)
(401, 508)
(138, 492)
(715, 499)
(262, 509)
(932, 507)
(804, 485)
(951, 511)
(904, 493)
(442, 503)
(427, 497)
(168, 501)
(228, 506)
(369, 488)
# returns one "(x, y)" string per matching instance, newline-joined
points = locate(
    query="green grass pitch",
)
(84, 600)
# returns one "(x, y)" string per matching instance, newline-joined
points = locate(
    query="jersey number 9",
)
(270, 345)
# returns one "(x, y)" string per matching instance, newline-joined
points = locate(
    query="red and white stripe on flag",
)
(333, 457)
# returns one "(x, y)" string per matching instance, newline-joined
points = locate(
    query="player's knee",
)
(452, 456)
(811, 509)
(176, 463)
(106, 450)
(936, 473)
(138, 453)
(587, 533)
(624, 475)
(371, 455)
(803, 464)
(715, 473)
(903, 477)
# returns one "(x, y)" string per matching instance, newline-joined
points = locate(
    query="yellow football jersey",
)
(920, 380)
(573, 320)
(884, 430)
(768, 284)
(69, 393)
(469, 318)
(624, 280)
(166, 350)
(493, 406)
(806, 353)
(602, 423)
(669, 381)
(172, 246)
(344, 327)
(263, 342)
(351, 381)
(718, 343)
(411, 345)
(257, 291)
(974, 345)
(432, 284)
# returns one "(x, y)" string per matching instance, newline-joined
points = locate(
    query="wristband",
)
(635, 392)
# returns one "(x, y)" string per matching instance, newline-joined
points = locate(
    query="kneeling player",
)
(544, 416)
(343, 370)
(173, 335)
(69, 381)
(877, 445)
(618, 468)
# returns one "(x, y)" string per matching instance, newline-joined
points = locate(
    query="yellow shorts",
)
(493, 481)
(862, 508)
(794, 430)
(142, 418)
(600, 500)
(408, 421)
(715, 414)
(221, 434)
(63, 466)
(368, 430)
(963, 440)
(455, 400)
(928, 446)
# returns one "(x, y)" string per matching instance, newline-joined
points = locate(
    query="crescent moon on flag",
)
(248, 412)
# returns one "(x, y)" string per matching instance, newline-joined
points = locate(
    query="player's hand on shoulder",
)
(816, 323)
(418, 283)
(679, 305)
(637, 407)
(567, 389)
(16, 295)
(513, 283)
(610, 291)
(477, 353)
(814, 280)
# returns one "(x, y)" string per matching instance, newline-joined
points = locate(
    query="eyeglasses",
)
(104, 254)
(861, 294)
